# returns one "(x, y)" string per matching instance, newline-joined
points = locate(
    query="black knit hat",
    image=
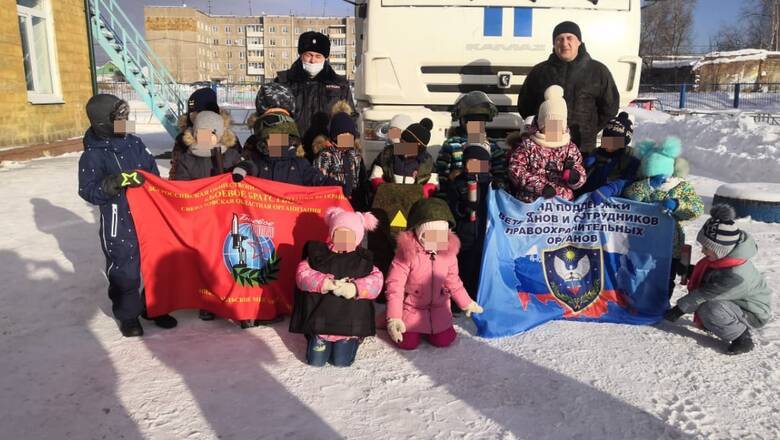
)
(342, 123)
(418, 132)
(202, 100)
(567, 27)
(621, 126)
(314, 42)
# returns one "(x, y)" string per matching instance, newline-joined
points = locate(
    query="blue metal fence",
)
(749, 97)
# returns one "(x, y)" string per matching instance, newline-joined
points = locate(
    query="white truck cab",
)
(418, 56)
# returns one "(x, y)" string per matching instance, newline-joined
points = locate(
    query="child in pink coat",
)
(424, 277)
(337, 282)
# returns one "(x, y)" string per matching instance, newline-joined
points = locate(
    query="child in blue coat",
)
(108, 166)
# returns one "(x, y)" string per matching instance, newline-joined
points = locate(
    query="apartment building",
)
(196, 46)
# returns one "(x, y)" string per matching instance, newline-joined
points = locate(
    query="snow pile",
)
(723, 147)
(734, 57)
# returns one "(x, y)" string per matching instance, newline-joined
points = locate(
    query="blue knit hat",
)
(342, 123)
(658, 159)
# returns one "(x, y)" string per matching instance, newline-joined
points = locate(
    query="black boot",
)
(131, 328)
(743, 344)
(205, 315)
(246, 323)
(262, 322)
(162, 321)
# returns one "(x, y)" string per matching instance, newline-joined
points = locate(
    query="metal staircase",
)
(127, 49)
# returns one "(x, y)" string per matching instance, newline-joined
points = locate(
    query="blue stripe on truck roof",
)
(524, 22)
(492, 22)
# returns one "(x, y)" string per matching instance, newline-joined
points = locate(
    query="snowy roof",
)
(674, 63)
(735, 56)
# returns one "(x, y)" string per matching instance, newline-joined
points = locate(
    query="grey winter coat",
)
(743, 285)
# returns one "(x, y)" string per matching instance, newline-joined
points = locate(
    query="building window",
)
(297, 31)
(215, 54)
(271, 55)
(272, 29)
(241, 55)
(240, 30)
(230, 54)
(272, 42)
(214, 29)
(37, 38)
(227, 29)
(284, 54)
(284, 29)
(216, 42)
(228, 42)
(241, 66)
(230, 66)
(284, 42)
(239, 42)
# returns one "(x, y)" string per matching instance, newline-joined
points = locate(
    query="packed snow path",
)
(68, 374)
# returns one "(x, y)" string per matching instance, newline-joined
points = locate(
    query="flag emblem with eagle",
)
(574, 275)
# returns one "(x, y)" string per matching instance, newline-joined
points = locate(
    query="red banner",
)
(229, 248)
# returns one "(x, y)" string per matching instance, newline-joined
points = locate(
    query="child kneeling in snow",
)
(726, 291)
(337, 281)
(424, 277)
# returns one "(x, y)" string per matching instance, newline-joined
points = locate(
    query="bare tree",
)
(666, 27)
(758, 27)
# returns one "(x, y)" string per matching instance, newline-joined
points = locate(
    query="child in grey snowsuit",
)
(108, 166)
(726, 291)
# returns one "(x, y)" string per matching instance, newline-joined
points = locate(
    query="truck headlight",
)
(375, 130)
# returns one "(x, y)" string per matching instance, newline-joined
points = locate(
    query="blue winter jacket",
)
(104, 157)
(290, 168)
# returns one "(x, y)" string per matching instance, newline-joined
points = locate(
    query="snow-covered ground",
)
(66, 372)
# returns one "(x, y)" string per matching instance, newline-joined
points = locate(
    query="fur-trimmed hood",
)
(321, 142)
(515, 138)
(407, 245)
(228, 139)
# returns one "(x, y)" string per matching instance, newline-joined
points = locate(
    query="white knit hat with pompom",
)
(553, 107)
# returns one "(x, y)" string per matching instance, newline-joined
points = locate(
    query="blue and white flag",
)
(556, 259)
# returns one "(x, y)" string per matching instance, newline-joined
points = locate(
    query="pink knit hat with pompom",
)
(357, 222)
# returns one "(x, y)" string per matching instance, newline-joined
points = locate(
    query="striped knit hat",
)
(720, 234)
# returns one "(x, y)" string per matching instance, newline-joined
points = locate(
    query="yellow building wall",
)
(22, 123)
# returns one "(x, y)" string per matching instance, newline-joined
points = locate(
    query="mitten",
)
(327, 286)
(428, 189)
(375, 182)
(115, 183)
(570, 176)
(670, 205)
(673, 314)
(606, 191)
(473, 308)
(597, 197)
(243, 169)
(396, 329)
(657, 181)
(345, 289)
(548, 191)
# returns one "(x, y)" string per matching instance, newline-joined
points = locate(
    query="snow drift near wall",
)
(714, 143)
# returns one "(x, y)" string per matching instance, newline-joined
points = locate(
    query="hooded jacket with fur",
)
(190, 166)
(420, 285)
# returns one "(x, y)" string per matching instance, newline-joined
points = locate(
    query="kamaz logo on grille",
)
(505, 47)
(504, 79)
